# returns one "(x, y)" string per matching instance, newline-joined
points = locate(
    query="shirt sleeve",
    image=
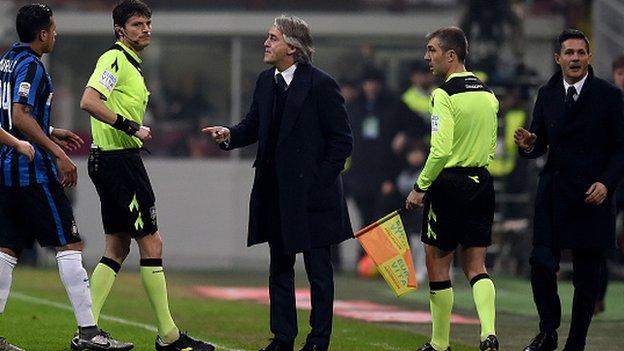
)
(494, 140)
(106, 74)
(442, 127)
(28, 77)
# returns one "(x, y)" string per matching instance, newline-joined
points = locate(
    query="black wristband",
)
(125, 125)
(418, 190)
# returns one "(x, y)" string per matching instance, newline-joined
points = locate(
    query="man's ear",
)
(42, 35)
(450, 55)
(291, 50)
(557, 57)
(119, 31)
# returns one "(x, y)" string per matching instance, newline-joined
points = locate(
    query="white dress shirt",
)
(578, 86)
(288, 73)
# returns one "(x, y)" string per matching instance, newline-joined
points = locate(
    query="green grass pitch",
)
(38, 316)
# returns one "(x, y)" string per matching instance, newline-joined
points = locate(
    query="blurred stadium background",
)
(203, 62)
(201, 67)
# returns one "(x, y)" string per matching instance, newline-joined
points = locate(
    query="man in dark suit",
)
(578, 121)
(300, 123)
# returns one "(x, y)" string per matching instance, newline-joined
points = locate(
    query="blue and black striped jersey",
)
(24, 80)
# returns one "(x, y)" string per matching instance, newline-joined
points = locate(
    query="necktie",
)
(569, 99)
(281, 83)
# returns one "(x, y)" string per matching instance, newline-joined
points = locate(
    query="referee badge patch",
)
(108, 80)
(24, 89)
(435, 123)
(153, 215)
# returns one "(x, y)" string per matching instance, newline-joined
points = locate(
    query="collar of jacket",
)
(557, 79)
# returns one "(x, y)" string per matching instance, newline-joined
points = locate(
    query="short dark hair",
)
(571, 33)
(618, 63)
(128, 8)
(452, 38)
(31, 19)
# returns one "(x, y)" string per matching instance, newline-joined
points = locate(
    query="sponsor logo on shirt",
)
(435, 123)
(108, 80)
(24, 89)
(474, 86)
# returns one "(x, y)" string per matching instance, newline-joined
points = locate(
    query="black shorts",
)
(39, 212)
(126, 197)
(459, 209)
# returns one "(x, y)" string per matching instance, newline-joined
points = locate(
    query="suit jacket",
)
(585, 144)
(314, 142)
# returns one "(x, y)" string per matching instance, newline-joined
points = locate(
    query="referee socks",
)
(484, 296)
(7, 263)
(76, 282)
(441, 300)
(102, 280)
(153, 279)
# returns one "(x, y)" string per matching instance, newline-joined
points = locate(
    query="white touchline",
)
(62, 306)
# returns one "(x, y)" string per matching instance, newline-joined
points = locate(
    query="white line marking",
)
(62, 306)
(384, 345)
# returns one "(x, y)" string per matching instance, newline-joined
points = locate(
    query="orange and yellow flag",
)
(385, 241)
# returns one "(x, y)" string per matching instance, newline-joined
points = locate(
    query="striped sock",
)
(102, 280)
(484, 296)
(441, 303)
(153, 279)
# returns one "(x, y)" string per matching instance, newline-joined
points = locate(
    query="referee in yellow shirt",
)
(116, 98)
(456, 188)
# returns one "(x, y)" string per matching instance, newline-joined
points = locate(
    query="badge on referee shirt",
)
(435, 123)
(108, 80)
(152, 211)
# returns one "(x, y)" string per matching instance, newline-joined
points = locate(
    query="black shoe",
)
(313, 347)
(428, 347)
(184, 342)
(543, 342)
(277, 345)
(7, 346)
(489, 344)
(102, 341)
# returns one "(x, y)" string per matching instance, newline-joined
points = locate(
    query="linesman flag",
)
(385, 241)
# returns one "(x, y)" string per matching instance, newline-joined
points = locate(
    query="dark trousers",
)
(587, 265)
(282, 293)
(318, 268)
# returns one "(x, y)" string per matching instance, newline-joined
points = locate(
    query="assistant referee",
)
(455, 187)
(116, 98)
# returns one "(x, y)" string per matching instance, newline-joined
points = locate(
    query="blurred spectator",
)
(415, 156)
(350, 90)
(417, 96)
(511, 117)
(617, 70)
(488, 26)
(510, 182)
(373, 117)
(184, 109)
